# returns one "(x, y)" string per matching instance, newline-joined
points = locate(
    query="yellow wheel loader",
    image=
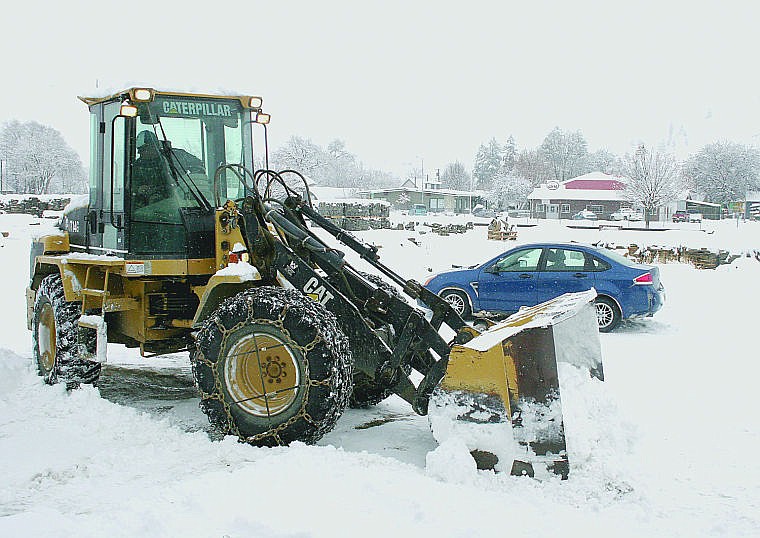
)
(182, 245)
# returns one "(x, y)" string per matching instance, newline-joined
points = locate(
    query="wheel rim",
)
(46, 340)
(456, 301)
(262, 374)
(604, 314)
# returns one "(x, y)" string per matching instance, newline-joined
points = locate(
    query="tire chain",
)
(218, 395)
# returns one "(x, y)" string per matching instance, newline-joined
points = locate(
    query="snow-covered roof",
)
(592, 186)
(451, 192)
(356, 201)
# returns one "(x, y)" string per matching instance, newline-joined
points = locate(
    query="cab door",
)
(112, 218)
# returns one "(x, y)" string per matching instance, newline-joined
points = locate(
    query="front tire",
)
(458, 301)
(60, 357)
(272, 367)
(607, 314)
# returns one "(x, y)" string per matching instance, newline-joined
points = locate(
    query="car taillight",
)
(646, 278)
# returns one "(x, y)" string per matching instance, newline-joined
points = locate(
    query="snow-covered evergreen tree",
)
(487, 164)
(509, 155)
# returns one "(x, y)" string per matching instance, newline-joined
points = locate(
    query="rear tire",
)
(607, 314)
(272, 367)
(55, 331)
(458, 301)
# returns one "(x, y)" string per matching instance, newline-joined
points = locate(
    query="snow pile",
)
(663, 447)
(242, 269)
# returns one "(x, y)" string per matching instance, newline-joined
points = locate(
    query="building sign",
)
(552, 185)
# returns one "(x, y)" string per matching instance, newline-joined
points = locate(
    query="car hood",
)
(453, 275)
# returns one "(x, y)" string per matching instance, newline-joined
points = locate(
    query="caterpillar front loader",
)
(183, 246)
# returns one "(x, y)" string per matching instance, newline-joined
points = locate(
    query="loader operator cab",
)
(153, 158)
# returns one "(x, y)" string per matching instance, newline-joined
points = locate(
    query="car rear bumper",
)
(645, 303)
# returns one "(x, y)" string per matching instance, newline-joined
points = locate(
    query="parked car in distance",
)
(695, 217)
(419, 209)
(480, 211)
(626, 213)
(519, 213)
(531, 274)
(585, 214)
(680, 216)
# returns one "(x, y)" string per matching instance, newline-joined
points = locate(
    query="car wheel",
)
(607, 314)
(458, 301)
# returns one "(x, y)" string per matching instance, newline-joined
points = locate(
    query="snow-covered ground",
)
(666, 446)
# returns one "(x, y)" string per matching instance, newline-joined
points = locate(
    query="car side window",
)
(595, 264)
(560, 259)
(522, 260)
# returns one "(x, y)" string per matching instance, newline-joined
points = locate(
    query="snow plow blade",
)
(501, 393)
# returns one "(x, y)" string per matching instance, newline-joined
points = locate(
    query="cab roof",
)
(129, 93)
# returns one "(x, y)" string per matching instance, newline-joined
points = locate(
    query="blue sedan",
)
(531, 274)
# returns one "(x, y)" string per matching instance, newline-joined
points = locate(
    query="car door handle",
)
(580, 275)
(526, 275)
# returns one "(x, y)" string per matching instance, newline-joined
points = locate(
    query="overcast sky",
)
(402, 82)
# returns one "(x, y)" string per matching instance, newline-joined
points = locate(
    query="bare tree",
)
(532, 165)
(604, 161)
(653, 179)
(509, 190)
(35, 155)
(566, 153)
(724, 171)
(300, 154)
(455, 176)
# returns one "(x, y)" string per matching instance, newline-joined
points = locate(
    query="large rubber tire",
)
(607, 314)
(458, 301)
(272, 367)
(368, 392)
(55, 333)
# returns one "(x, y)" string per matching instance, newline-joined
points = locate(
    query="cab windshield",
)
(179, 144)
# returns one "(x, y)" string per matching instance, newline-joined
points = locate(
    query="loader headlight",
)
(128, 111)
(255, 102)
(142, 94)
(262, 118)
